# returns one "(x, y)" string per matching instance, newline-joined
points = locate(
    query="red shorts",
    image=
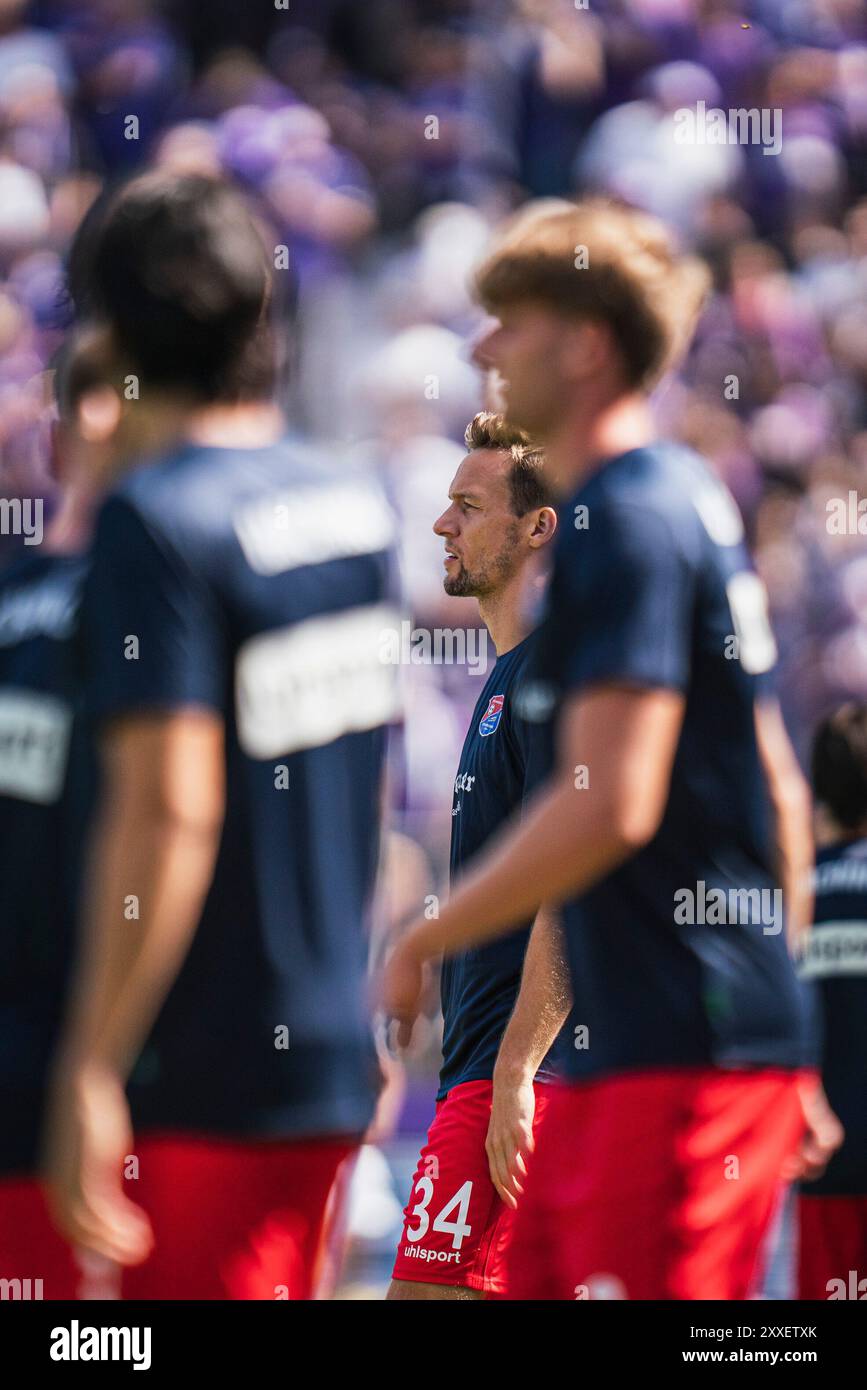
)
(456, 1227)
(231, 1219)
(832, 1247)
(658, 1184)
(31, 1251)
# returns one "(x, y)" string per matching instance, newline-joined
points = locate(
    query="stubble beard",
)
(485, 581)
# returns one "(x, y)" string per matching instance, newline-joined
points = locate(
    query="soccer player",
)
(232, 625)
(498, 1029)
(832, 1207)
(673, 807)
(47, 783)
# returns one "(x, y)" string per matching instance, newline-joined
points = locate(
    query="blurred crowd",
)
(379, 141)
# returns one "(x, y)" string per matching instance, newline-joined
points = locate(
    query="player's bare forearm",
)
(541, 1007)
(570, 837)
(131, 965)
(792, 810)
(151, 864)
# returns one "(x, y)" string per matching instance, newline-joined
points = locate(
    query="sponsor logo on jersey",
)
(34, 741)
(748, 601)
(310, 526)
(36, 610)
(492, 716)
(848, 875)
(835, 948)
(718, 511)
(535, 701)
(304, 686)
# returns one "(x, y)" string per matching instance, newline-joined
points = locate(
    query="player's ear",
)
(544, 526)
(585, 344)
(99, 413)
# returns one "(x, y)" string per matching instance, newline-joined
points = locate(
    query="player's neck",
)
(588, 435)
(167, 420)
(250, 425)
(503, 614)
(70, 528)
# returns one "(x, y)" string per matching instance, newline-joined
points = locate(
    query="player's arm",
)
(792, 812)
(158, 706)
(792, 808)
(541, 1008)
(569, 837)
(157, 837)
(793, 821)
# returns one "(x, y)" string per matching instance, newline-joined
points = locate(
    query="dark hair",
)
(527, 483)
(839, 765)
(176, 267)
(80, 366)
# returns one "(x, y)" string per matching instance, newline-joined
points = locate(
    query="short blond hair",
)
(527, 483)
(632, 277)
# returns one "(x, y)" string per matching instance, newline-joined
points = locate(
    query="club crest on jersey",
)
(492, 715)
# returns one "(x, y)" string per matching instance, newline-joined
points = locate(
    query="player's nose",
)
(444, 524)
(482, 351)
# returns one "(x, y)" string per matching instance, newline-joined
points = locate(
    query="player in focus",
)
(231, 626)
(673, 810)
(503, 1004)
(832, 1204)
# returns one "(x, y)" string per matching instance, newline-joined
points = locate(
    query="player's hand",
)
(822, 1137)
(390, 1099)
(89, 1138)
(401, 988)
(510, 1135)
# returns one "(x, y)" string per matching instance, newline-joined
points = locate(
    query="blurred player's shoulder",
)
(287, 503)
(661, 494)
(673, 480)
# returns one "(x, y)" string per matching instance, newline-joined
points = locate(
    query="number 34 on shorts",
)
(457, 1229)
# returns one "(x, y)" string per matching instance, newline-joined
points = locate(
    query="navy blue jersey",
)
(46, 784)
(255, 583)
(835, 964)
(501, 762)
(678, 957)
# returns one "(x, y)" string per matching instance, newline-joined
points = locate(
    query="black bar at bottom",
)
(257, 1340)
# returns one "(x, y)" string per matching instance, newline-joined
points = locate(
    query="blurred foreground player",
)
(658, 1166)
(499, 1024)
(832, 1208)
(47, 783)
(231, 628)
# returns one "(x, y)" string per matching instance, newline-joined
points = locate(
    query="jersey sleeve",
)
(152, 637)
(628, 587)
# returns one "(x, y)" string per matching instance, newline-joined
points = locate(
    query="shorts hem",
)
(477, 1282)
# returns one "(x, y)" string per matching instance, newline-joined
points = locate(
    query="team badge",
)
(492, 716)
